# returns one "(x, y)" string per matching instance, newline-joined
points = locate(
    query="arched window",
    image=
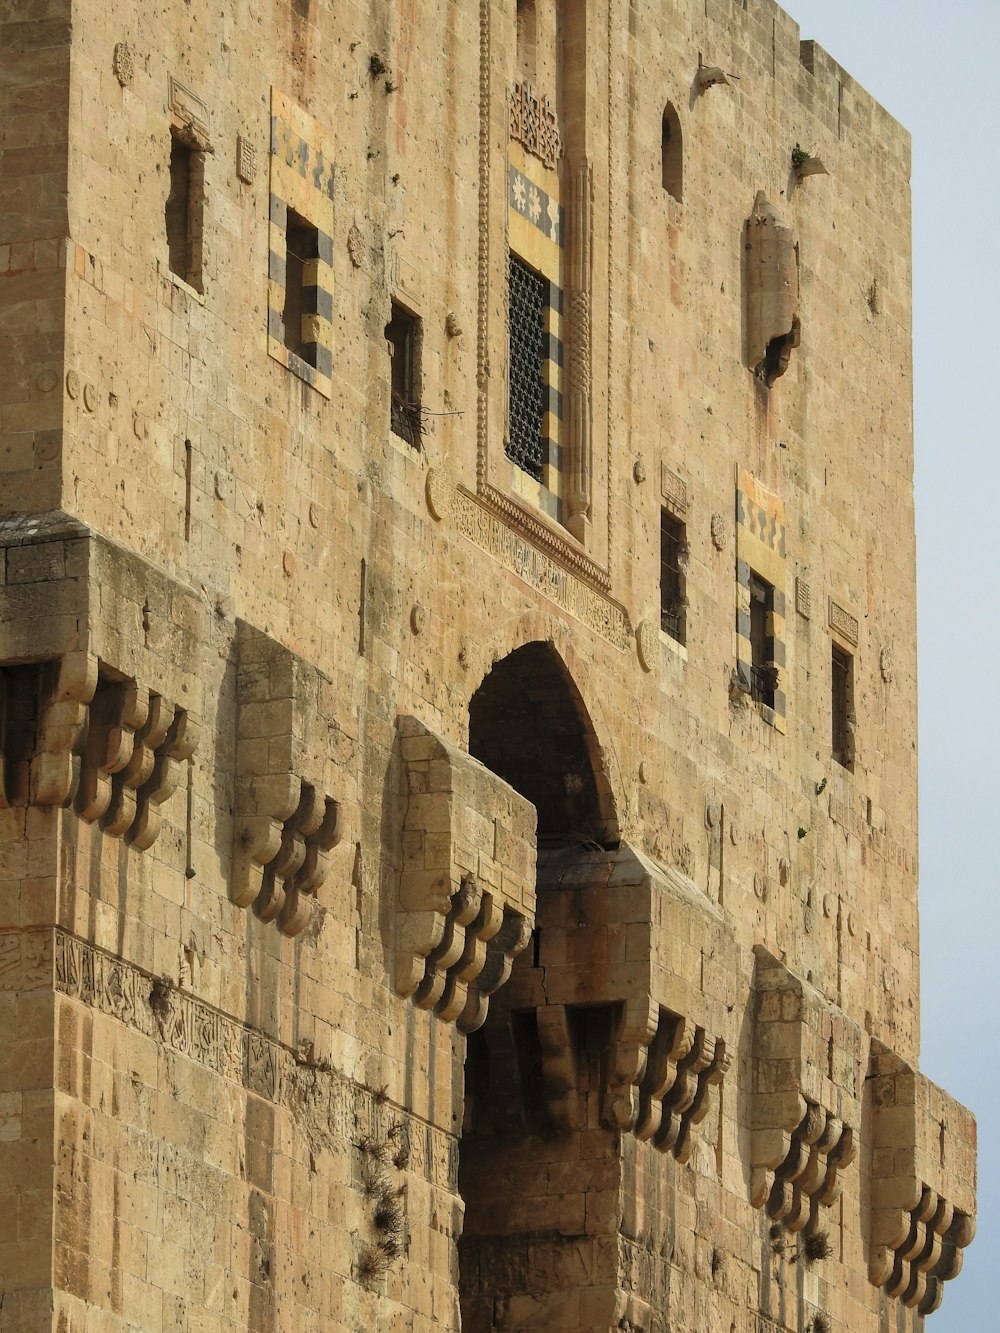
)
(672, 154)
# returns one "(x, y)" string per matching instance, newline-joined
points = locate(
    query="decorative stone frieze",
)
(923, 1182)
(285, 822)
(534, 125)
(807, 1068)
(467, 879)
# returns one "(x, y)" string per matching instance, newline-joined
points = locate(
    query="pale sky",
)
(932, 66)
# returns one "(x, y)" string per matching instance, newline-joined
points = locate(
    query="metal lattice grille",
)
(528, 299)
(672, 600)
(763, 675)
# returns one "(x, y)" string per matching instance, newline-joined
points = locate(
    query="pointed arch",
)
(529, 724)
(672, 153)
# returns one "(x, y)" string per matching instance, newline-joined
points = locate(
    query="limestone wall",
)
(244, 621)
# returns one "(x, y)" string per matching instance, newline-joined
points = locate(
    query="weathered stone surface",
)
(443, 742)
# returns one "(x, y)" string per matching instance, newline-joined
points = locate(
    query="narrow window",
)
(528, 301)
(763, 675)
(672, 599)
(184, 210)
(842, 706)
(402, 335)
(301, 291)
(672, 154)
(527, 37)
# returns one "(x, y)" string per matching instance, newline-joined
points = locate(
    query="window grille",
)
(763, 675)
(672, 599)
(842, 706)
(402, 335)
(528, 300)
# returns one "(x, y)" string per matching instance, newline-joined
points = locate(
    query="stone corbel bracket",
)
(661, 1070)
(285, 823)
(88, 629)
(103, 744)
(923, 1183)
(807, 1067)
(624, 942)
(466, 902)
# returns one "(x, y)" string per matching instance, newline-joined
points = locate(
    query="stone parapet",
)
(617, 932)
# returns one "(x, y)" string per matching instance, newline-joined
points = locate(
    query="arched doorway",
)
(539, 1173)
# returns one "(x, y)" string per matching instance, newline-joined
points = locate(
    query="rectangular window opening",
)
(842, 706)
(402, 335)
(184, 211)
(673, 602)
(528, 300)
(763, 672)
(299, 313)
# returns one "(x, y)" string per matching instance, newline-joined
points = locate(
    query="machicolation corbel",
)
(923, 1182)
(466, 901)
(806, 1110)
(285, 822)
(772, 291)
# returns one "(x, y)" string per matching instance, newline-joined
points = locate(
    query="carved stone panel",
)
(923, 1183)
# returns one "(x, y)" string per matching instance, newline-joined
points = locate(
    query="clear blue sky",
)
(931, 66)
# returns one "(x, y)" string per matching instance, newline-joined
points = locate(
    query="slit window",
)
(300, 311)
(672, 154)
(402, 335)
(183, 214)
(763, 673)
(529, 299)
(842, 706)
(673, 602)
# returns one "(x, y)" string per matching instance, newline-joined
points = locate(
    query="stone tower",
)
(458, 819)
